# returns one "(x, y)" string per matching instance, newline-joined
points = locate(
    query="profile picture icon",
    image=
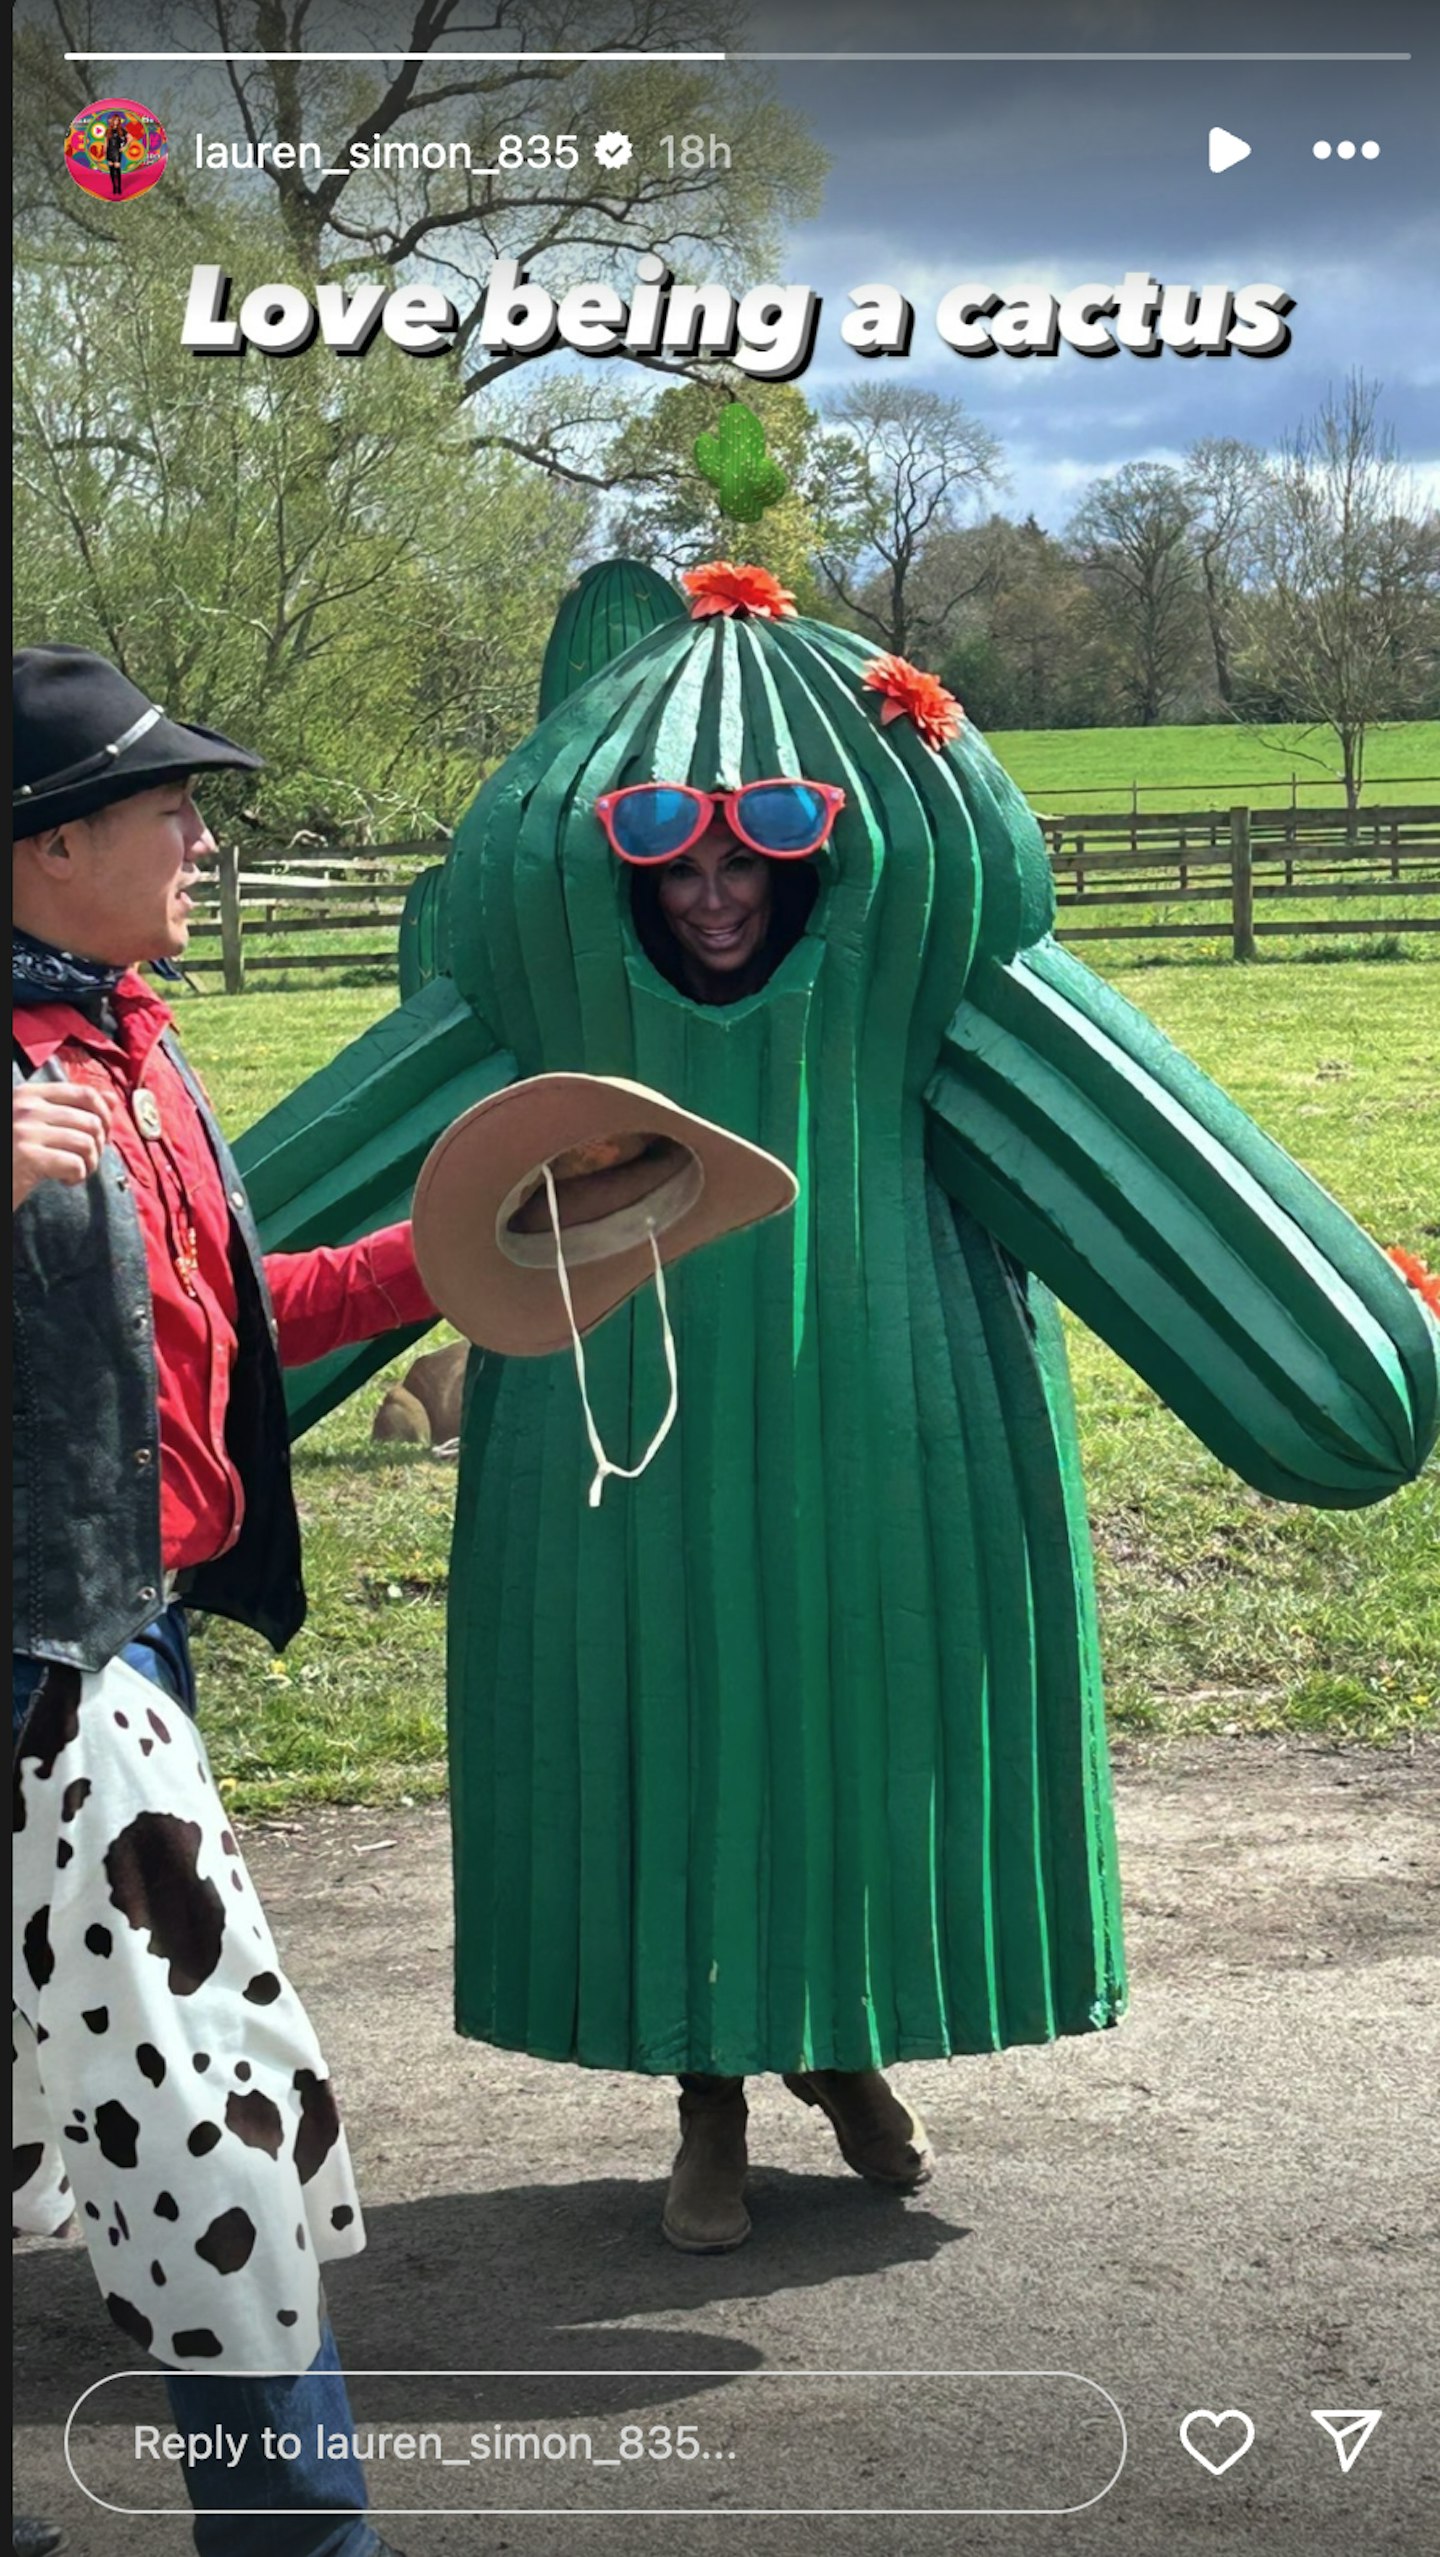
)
(116, 148)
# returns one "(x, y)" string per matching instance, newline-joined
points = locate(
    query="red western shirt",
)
(323, 1300)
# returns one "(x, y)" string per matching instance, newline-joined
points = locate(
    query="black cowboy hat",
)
(85, 736)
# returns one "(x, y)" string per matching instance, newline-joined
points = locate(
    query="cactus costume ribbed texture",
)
(791, 1756)
(607, 609)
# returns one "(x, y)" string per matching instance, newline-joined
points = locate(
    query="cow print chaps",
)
(168, 2083)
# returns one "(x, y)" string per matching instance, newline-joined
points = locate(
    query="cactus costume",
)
(792, 1755)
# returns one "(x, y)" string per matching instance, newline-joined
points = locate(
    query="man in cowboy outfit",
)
(152, 1474)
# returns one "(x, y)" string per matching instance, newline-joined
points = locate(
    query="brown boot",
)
(879, 2136)
(705, 2210)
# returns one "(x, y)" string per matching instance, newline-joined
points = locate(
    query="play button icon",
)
(1225, 149)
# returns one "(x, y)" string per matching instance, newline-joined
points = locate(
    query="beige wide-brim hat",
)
(626, 1165)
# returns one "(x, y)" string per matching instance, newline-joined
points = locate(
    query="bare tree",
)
(1346, 625)
(374, 206)
(1133, 537)
(914, 460)
(1227, 483)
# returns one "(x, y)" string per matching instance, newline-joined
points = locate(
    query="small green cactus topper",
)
(737, 466)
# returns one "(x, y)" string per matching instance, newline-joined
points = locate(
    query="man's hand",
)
(59, 1132)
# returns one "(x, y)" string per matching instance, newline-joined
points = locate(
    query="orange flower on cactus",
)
(1426, 1283)
(723, 587)
(912, 695)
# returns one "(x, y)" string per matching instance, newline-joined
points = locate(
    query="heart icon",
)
(1203, 2415)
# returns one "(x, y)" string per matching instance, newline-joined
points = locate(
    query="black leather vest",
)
(87, 1553)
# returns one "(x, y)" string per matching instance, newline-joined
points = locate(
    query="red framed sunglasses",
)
(658, 820)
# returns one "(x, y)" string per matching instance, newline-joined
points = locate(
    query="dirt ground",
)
(1229, 2203)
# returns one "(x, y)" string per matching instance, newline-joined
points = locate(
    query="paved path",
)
(1230, 2202)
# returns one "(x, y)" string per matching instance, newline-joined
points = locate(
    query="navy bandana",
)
(42, 974)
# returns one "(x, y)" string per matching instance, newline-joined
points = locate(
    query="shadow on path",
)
(529, 2278)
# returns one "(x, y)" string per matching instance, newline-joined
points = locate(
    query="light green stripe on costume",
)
(423, 930)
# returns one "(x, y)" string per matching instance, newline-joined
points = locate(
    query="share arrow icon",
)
(1349, 2429)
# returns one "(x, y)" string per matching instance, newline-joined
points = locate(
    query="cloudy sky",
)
(1043, 175)
(1049, 174)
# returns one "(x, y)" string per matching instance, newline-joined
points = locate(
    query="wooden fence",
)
(341, 910)
(1257, 789)
(1233, 860)
(345, 905)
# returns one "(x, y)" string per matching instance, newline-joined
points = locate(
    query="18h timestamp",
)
(695, 151)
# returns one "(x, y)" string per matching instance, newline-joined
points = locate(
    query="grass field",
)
(1220, 1609)
(1101, 770)
(1065, 769)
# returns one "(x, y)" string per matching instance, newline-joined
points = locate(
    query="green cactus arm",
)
(1108, 1164)
(338, 1157)
(424, 950)
(747, 497)
(610, 606)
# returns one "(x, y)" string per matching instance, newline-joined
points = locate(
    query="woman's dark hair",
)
(794, 886)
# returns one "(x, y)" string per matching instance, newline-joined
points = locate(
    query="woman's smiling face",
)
(716, 899)
(571, 907)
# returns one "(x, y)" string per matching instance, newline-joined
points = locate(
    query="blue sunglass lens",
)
(785, 816)
(653, 823)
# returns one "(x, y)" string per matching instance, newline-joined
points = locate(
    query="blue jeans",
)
(325, 2498)
(328, 2493)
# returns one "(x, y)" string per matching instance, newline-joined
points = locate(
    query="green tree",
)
(1133, 536)
(311, 556)
(1030, 649)
(910, 462)
(667, 511)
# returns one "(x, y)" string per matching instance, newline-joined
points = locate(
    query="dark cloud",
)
(1066, 172)
(1060, 173)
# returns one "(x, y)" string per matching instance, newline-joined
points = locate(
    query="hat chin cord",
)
(603, 1464)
